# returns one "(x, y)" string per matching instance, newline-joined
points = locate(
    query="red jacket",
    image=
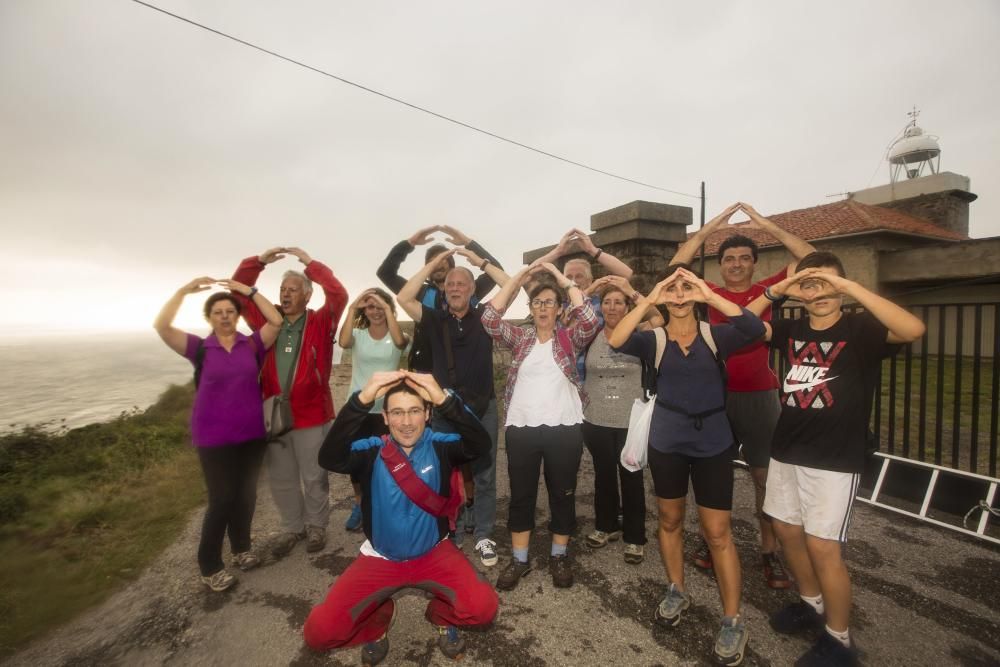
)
(312, 402)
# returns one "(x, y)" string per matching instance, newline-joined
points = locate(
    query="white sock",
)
(816, 602)
(842, 637)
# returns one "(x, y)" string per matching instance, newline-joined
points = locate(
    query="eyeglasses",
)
(547, 303)
(399, 413)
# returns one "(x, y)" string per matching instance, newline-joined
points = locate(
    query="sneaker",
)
(354, 521)
(246, 560)
(374, 652)
(795, 618)
(731, 642)
(775, 573)
(512, 574)
(450, 642)
(702, 557)
(668, 612)
(828, 652)
(633, 553)
(219, 581)
(469, 519)
(599, 538)
(487, 550)
(284, 543)
(561, 568)
(315, 538)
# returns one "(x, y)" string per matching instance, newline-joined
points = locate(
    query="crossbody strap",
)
(415, 488)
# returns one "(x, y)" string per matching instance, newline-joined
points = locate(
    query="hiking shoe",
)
(774, 571)
(668, 612)
(512, 574)
(374, 652)
(219, 581)
(450, 642)
(702, 557)
(731, 642)
(246, 560)
(633, 553)
(561, 568)
(795, 618)
(599, 538)
(315, 538)
(487, 550)
(828, 652)
(354, 521)
(284, 543)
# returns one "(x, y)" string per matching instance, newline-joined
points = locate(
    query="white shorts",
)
(818, 500)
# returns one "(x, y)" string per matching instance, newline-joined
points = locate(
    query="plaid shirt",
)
(522, 339)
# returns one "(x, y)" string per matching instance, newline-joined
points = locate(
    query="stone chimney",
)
(644, 235)
(941, 198)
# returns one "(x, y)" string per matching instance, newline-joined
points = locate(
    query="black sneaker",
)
(561, 568)
(828, 652)
(796, 618)
(372, 653)
(451, 643)
(512, 574)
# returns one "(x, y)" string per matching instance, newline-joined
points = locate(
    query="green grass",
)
(82, 512)
(945, 378)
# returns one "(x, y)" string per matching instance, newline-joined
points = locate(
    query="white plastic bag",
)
(634, 453)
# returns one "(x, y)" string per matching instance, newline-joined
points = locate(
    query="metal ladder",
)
(936, 471)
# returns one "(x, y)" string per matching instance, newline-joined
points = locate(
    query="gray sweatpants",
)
(299, 486)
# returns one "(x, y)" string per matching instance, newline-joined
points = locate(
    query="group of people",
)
(420, 443)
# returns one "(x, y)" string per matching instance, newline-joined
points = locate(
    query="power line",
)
(408, 104)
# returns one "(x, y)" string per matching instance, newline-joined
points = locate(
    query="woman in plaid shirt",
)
(544, 402)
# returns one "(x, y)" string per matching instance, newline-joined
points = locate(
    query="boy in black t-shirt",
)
(818, 450)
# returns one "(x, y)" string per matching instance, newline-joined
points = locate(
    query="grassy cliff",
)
(84, 511)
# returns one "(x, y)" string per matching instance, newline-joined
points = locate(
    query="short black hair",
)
(436, 250)
(221, 296)
(738, 241)
(401, 388)
(821, 259)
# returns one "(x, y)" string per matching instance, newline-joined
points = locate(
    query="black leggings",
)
(711, 477)
(605, 446)
(231, 473)
(560, 448)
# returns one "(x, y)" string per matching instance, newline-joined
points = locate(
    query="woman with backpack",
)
(544, 403)
(227, 419)
(690, 438)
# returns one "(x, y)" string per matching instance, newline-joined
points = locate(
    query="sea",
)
(66, 381)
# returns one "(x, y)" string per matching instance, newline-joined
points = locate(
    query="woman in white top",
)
(544, 411)
(374, 335)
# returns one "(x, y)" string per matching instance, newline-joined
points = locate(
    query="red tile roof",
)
(840, 218)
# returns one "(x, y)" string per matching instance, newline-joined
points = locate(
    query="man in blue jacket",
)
(409, 497)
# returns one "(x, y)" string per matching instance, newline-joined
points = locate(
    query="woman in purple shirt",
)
(690, 438)
(227, 421)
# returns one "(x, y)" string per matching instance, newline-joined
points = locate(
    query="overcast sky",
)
(137, 152)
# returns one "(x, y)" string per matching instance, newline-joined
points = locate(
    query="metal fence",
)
(937, 398)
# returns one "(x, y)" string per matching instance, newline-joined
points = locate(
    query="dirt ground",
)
(923, 596)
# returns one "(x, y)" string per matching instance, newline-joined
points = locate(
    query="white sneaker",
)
(219, 581)
(487, 550)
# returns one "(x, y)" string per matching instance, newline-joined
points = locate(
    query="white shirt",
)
(542, 394)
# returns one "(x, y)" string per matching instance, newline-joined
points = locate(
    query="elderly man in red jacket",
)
(298, 367)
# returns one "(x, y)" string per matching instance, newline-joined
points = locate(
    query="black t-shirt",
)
(471, 346)
(826, 396)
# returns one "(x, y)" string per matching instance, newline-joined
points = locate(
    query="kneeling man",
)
(410, 492)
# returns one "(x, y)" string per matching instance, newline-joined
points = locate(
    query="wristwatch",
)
(253, 290)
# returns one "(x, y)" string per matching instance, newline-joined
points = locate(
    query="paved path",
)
(922, 597)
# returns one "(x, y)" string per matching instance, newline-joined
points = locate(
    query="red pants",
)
(359, 605)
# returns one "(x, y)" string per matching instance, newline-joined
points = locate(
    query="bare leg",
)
(834, 580)
(716, 526)
(793, 542)
(671, 537)
(768, 544)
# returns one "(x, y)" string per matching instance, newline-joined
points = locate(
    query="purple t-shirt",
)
(227, 404)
